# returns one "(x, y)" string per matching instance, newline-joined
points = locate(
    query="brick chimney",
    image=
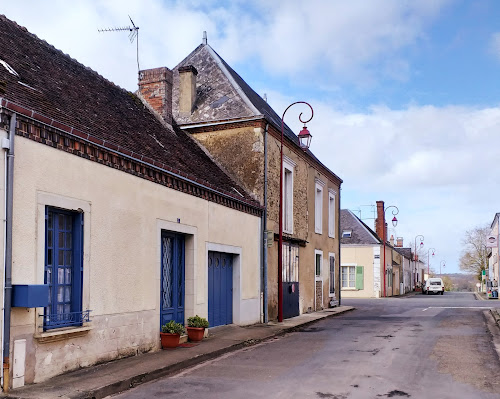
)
(187, 89)
(155, 87)
(399, 242)
(392, 240)
(380, 220)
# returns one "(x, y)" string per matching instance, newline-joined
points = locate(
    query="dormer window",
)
(346, 233)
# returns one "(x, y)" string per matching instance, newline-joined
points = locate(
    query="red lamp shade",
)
(421, 244)
(432, 253)
(394, 221)
(305, 138)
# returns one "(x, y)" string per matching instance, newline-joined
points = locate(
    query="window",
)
(319, 258)
(348, 274)
(346, 234)
(332, 275)
(331, 214)
(64, 268)
(290, 262)
(288, 166)
(318, 206)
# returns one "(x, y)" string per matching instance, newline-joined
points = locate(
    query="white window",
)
(348, 275)
(331, 214)
(331, 291)
(318, 260)
(318, 206)
(288, 166)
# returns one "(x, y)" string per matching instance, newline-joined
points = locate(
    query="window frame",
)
(318, 206)
(318, 277)
(288, 178)
(70, 204)
(74, 315)
(331, 213)
(331, 281)
(348, 266)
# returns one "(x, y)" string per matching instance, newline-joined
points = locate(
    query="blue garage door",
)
(220, 288)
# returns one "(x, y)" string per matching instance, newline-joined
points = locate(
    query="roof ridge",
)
(50, 46)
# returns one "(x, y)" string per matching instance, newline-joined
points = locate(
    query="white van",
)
(433, 285)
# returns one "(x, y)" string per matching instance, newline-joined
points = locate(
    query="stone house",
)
(215, 106)
(116, 220)
(493, 262)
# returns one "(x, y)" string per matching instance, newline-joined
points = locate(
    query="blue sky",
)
(405, 93)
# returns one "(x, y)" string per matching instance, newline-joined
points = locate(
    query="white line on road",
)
(456, 307)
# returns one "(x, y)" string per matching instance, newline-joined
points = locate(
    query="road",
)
(415, 346)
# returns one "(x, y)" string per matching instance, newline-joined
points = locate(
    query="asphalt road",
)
(415, 346)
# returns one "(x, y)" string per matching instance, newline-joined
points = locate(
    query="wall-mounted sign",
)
(491, 241)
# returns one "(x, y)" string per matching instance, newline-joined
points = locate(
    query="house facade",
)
(117, 222)
(216, 107)
(493, 262)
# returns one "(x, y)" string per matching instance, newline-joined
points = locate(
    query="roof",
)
(495, 218)
(360, 232)
(38, 77)
(222, 94)
(406, 252)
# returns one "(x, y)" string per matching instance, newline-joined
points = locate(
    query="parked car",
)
(433, 285)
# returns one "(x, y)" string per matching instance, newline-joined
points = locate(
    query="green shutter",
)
(359, 277)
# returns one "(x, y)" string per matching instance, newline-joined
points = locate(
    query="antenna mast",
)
(134, 33)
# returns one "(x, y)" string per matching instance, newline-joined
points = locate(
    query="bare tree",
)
(474, 258)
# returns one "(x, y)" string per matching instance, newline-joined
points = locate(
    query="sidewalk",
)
(117, 376)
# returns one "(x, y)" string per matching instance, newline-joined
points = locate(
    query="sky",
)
(405, 92)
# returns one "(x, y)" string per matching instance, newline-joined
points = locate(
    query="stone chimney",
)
(187, 89)
(155, 87)
(399, 242)
(380, 220)
(392, 240)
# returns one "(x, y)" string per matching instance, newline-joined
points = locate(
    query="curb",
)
(132, 382)
(496, 316)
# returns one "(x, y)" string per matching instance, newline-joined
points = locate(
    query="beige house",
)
(116, 221)
(362, 255)
(216, 107)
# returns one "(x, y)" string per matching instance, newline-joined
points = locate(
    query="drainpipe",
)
(8, 254)
(339, 263)
(264, 228)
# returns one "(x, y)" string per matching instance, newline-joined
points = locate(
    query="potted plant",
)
(196, 328)
(170, 334)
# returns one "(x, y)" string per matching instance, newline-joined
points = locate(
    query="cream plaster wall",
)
(359, 255)
(494, 254)
(123, 215)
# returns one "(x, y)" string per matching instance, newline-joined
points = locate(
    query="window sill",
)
(61, 334)
(350, 289)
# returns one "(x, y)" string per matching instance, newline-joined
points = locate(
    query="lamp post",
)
(442, 263)
(304, 142)
(395, 211)
(421, 238)
(428, 264)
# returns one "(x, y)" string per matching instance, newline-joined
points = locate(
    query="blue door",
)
(172, 278)
(220, 288)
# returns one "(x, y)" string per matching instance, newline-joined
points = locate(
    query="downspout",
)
(339, 263)
(8, 254)
(264, 231)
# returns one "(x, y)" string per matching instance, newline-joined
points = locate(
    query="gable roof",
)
(406, 252)
(36, 76)
(223, 95)
(360, 232)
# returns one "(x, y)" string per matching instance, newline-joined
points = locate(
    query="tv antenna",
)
(134, 33)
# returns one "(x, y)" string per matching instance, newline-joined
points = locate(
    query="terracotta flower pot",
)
(195, 334)
(169, 340)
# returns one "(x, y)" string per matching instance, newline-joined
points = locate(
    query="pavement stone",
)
(106, 379)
